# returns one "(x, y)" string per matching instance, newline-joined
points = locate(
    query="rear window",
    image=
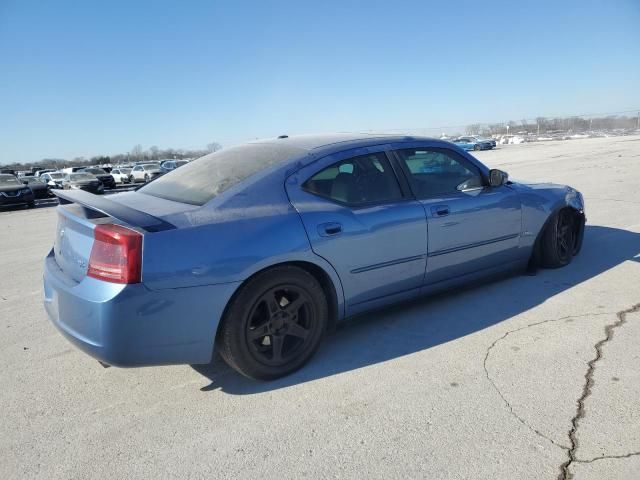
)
(8, 180)
(201, 180)
(82, 176)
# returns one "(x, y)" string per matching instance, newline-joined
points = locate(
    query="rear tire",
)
(560, 239)
(274, 324)
(477, 147)
(31, 205)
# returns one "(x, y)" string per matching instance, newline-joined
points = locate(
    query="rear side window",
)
(439, 171)
(357, 181)
(199, 181)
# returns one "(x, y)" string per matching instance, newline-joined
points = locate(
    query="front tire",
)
(477, 147)
(560, 239)
(274, 324)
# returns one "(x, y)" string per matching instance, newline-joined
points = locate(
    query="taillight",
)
(116, 255)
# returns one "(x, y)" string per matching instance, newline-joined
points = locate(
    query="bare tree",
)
(136, 152)
(154, 152)
(213, 147)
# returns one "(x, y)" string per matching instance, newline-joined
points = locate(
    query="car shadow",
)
(411, 327)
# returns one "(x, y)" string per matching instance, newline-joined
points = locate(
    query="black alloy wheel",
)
(274, 324)
(560, 239)
(280, 325)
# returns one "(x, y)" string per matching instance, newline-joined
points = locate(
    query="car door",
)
(363, 221)
(472, 227)
(137, 172)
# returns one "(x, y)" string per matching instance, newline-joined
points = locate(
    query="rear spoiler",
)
(113, 209)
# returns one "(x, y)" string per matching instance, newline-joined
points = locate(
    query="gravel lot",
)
(510, 379)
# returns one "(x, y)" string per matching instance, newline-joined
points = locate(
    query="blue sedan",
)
(474, 143)
(257, 251)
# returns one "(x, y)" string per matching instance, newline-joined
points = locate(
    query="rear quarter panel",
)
(230, 239)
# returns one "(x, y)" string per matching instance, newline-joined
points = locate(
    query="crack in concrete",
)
(608, 457)
(506, 402)
(586, 390)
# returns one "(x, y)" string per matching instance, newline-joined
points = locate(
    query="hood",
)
(537, 185)
(11, 188)
(85, 182)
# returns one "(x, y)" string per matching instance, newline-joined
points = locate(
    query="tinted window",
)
(95, 171)
(357, 181)
(8, 180)
(201, 180)
(439, 171)
(81, 176)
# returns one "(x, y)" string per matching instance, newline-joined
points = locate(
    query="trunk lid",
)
(73, 242)
(78, 214)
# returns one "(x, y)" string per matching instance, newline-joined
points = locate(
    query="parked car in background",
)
(469, 143)
(46, 170)
(169, 165)
(82, 181)
(8, 171)
(53, 179)
(478, 138)
(145, 172)
(258, 250)
(14, 192)
(38, 186)
(71, 169)
(121, 175)
(106, 178)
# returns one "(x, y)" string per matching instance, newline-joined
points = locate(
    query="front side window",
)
(357, 181)
(439, 171)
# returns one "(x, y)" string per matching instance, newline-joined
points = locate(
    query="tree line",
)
(576, 124)
(136, 154)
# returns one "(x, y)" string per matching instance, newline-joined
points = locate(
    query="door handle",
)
(440, 210)
(329, 229)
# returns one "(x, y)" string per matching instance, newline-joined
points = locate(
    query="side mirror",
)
(497, 177)
(25, 182)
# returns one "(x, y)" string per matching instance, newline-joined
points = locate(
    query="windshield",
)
(55, 176)
(9, 180)
(30, 180)
(125, 170)
(199, 181)
(81, 176)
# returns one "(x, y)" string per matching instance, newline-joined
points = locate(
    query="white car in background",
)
(121, 175)
(53, 179)
(145, 172)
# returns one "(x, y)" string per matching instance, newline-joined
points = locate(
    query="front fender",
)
(540, 202)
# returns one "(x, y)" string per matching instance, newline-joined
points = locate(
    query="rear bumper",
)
(131, 325)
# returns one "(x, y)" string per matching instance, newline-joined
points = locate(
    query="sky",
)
(85, 78)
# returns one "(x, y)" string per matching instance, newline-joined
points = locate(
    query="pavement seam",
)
(506, 402)
(608, 457)
(586, 390)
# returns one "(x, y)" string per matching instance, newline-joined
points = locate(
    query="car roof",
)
(325, 144)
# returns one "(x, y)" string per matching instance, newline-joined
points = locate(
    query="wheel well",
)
(535, 254)
(317, 272)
